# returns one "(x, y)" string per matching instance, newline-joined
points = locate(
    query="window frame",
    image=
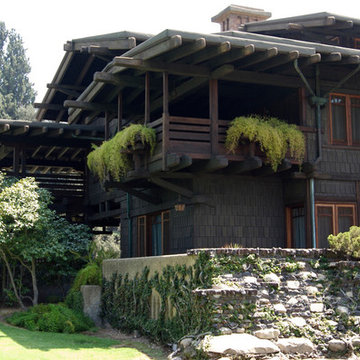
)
(356, 43)
(334, 215)
(348, 120)
(145, 222)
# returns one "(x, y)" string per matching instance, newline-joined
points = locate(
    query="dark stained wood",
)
(166, 121)
(120, 111)
(54, 107)
(209, 53)
(65, 90)
(278, 61)
(118, 80)
(89, 106)
(16, 157)
(247, 165)
(214, 115)
(147, 98)
(171, 187)
(185, 50)
(217, 162)
(4, 128)
(139, 194)
(234, 55)
(256, 58)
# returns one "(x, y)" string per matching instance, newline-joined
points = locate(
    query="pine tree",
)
(16, 90)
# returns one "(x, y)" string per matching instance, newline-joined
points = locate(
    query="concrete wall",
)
(136, 265)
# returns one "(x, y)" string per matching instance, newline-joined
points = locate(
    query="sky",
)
(46, 25)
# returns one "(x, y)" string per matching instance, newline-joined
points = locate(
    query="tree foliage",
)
(30, 231)
(16, 90)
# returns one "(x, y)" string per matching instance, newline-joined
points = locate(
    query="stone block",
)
(92, 298)
(295, 345)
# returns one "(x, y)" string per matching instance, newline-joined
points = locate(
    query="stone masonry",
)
(284, 303)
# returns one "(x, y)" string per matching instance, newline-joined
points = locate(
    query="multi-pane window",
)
(332, 219)
(345, 119)
(153, 233)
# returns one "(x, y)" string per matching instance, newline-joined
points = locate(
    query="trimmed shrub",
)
(51, 318)
(89, 275)
(347, 242)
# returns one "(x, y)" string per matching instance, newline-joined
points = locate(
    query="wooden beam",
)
(235, 55)
(55, 107)
(21, 130)
(215, 163)
(352, 59)
(171, 187)
(257, 58)
(75, 154)
(63, 152)
(147, 99)
(159, 66)
(279, 60)
(4, 151)
(38, 131)
(214, 115)
(120, 111)
(117, 80)
(65, 90)
(185, 50)
(209, 53)
(139, 194)
(172, 160)
(61, 87)
(174, 42)
(97, 50)
(4, 128)
(245, 166)
(222, 71)
(333, 57)
(116, 44)
(49, 152)
(89, 106)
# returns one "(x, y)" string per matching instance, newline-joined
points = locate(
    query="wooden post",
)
(16, 156)
(23, 161)
(357, 203)
(165, 123)
(107, 121)
(214, 115)
(147, 98)
(120, 111)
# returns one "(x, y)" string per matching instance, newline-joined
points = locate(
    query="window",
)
(332, 219)
(295, 226)
(357, 43)
(345, 119)
(153, 232)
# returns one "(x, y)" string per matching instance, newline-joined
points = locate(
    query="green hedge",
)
(51, 318)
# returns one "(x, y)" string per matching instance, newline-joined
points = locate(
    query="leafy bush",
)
(275, 137)
(347, 242)
(89, 275)
(74, 300)
(51, 318)
(112, 156)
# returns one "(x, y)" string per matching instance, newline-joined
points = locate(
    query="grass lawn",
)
(21, 344)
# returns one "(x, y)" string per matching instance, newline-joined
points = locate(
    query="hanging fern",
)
(113, 156)
(275, 138)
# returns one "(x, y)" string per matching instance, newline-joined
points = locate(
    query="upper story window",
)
(345, 119)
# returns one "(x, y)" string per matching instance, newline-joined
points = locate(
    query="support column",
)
(165, 123)
(120, 111)
(214, 115)
(147, 98)
(107, 121)
(16, 158)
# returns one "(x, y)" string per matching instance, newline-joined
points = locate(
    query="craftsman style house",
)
(191, 192)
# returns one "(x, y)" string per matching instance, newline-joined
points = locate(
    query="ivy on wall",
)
(126, 302)
(113, 156)
(274, 137)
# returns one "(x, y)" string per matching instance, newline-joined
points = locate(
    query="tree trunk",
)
(3, 255)
(34, 283)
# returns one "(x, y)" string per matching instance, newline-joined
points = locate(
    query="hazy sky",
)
(46, 25)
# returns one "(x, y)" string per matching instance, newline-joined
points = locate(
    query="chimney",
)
(232, 17)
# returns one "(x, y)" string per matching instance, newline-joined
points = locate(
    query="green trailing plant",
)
(275, 138)
(347, 242)
(125, 302)
(51, 318)
(113, 155)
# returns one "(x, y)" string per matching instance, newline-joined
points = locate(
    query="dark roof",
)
(82, 58)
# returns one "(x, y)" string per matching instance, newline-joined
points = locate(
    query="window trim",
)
(348, 123)
(147, 241)
(334, 215)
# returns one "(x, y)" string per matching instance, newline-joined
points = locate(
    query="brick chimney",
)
(232, 17)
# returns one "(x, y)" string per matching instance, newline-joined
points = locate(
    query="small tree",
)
(29, 230)
(16, 90)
